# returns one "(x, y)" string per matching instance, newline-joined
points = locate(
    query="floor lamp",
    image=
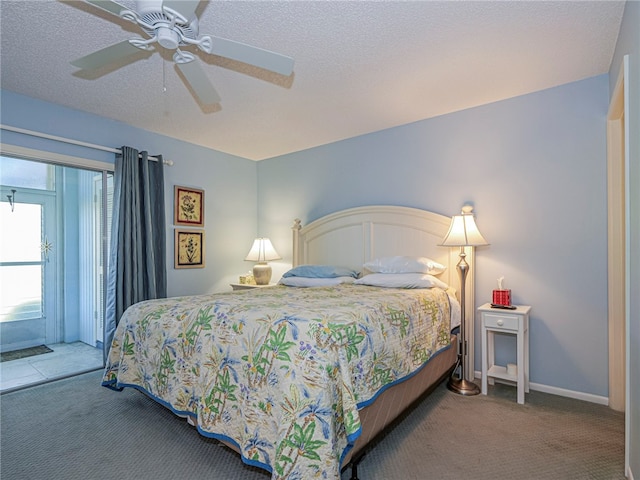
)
(462, 233)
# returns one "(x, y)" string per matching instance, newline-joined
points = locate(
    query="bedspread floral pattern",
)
(279, 372)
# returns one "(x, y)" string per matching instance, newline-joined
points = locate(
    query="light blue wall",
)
(535, 168)
(629, 44)
(230, 182)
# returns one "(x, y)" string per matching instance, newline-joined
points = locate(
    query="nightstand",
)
(247, 286)
(510, 322)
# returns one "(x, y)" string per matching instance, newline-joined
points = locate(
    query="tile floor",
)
(65, 360)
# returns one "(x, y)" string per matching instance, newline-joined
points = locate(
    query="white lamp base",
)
(262, 273)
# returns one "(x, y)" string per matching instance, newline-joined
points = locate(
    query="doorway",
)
(53, 240)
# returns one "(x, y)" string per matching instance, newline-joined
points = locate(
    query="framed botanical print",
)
(188, 206)
(189, 249)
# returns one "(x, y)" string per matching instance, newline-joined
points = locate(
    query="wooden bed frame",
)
(350, 238)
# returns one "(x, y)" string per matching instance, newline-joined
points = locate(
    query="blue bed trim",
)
(351, 439)
(118, 387)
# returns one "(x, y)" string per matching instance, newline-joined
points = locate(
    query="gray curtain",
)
(137, 253)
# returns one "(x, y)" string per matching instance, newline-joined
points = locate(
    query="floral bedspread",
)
(280, 372)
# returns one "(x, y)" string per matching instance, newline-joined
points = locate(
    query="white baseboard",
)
(587, 397)
(562, 392)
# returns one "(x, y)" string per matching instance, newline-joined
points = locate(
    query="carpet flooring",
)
(75, 429)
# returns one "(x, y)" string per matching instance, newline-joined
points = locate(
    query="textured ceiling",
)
(360, 66)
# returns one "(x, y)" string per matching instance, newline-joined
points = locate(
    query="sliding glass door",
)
(53, 239)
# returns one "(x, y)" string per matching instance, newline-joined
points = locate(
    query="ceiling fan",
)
(173, 24)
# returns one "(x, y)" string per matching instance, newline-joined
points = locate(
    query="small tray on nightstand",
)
(503, 307)
(249, 286)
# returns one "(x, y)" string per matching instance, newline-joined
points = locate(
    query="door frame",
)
(619, 248)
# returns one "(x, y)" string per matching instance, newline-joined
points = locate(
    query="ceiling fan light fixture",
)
(167, 37)
(174, 24)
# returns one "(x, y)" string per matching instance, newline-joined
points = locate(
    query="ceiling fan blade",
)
(186, 8)
(108, 5)
(106, 56)
(252, 55)
(197, 79)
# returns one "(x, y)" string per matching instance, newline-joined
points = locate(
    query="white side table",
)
(513, 322)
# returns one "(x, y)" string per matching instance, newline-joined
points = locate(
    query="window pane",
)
(21, 299)
(15, 172)
(21, 232)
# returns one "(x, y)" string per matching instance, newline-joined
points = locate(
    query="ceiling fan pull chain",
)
(164, 78)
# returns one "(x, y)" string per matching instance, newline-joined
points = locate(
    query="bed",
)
(299, 381)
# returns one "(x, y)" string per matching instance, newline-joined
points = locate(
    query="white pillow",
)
(404, 264)
(401, 280)
(314, 281)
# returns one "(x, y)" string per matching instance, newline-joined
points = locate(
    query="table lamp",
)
(262, 251)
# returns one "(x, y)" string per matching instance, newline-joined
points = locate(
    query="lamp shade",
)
(262, 251)
(463, 231)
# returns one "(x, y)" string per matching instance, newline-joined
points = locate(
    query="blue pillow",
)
(320, 271)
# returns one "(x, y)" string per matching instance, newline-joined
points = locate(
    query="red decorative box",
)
(502, 297)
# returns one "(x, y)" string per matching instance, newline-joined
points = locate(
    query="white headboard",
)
(351, 237)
